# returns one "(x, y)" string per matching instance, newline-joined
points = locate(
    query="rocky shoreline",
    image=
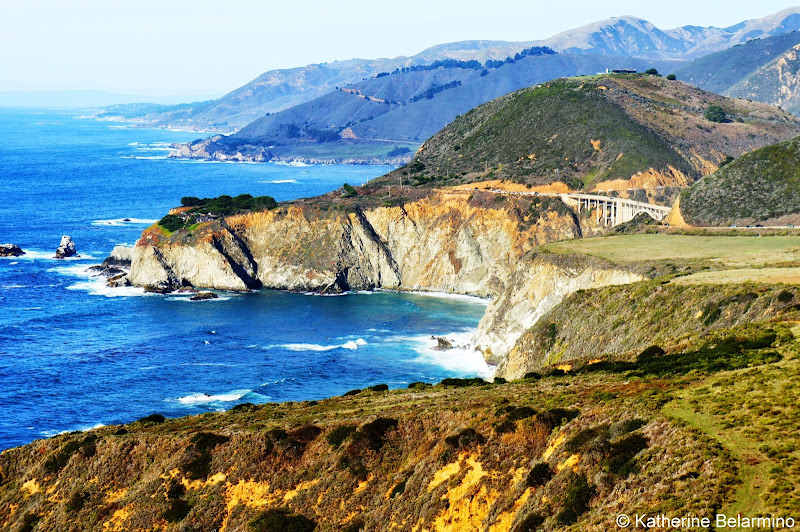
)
(209, 150)
(449, 242)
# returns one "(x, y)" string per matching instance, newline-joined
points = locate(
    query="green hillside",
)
(760, 186)
(587, 130)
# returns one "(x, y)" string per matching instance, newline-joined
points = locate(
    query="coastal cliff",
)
(451, 241)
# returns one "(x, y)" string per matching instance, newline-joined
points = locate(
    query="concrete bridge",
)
(608, 211)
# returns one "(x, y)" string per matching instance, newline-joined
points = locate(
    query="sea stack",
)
(10, 250)
(66, 248)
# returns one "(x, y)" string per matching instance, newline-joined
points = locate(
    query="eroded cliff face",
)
(539, 283)
(464, 242)
(448, 242)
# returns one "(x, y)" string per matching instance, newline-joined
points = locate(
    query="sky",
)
(169, 51)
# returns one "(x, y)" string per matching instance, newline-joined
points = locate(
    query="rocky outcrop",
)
(10, 250)
(448, 242)
(539, 284)
(66, 248)
(464, 242)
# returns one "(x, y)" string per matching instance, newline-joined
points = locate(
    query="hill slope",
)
(760, 187)
(776, 83)
(720, 71)
(628, 129)
(403, 107)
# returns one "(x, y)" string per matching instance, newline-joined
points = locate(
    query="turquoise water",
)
(75, 354)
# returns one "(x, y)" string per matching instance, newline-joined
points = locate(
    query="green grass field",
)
(724, 251)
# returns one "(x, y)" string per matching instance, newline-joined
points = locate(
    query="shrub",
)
(583, 437)
(461, 383)
(715, 113)
(198, 456)
(76, 501)
(532, 375)
(373, 434)
(785, 296)
(464, 439)
(672, 77)
(281, 520)
(152, 418)
(177, 510)
(555, 417)
(532, 523)
(419, 385)
(399, 488)
(379, 388)
(499, 380)
(651, 352)
(576, 500)
(59, 459)
(337, 436)
(349, 191)
(354, 526)
(243, 407)
(171, 223)
(621, 454)
(521, 412)
(624, 427)
(651, 72)
(305, 433)
(539, 475)
(351, 393)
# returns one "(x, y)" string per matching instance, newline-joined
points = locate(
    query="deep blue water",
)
(75, 354)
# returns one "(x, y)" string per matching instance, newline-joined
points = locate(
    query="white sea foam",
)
(37, 255)
(116, 222)
(443, 295)
(351, 345)
(205, 398)
(463, 358)
(82, 428)
(309, 347)
(278, 181)
(99, 288)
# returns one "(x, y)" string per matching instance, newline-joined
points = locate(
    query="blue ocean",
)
(75, 354)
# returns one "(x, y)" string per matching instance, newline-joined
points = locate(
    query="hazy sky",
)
(174, 50)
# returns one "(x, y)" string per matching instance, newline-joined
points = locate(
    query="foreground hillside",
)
(696, 423)
(760, 188)
(599, 132)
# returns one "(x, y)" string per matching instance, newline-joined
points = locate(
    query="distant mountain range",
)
(765, 70)
(277, 90)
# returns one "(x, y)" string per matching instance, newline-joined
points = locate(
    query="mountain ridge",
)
(637, 38)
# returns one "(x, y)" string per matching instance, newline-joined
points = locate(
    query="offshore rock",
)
(202, 296)
(10, 250)
(66, 248)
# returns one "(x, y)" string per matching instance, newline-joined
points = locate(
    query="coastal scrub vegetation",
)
(202, 210)
(756, 187)
(536, 452)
